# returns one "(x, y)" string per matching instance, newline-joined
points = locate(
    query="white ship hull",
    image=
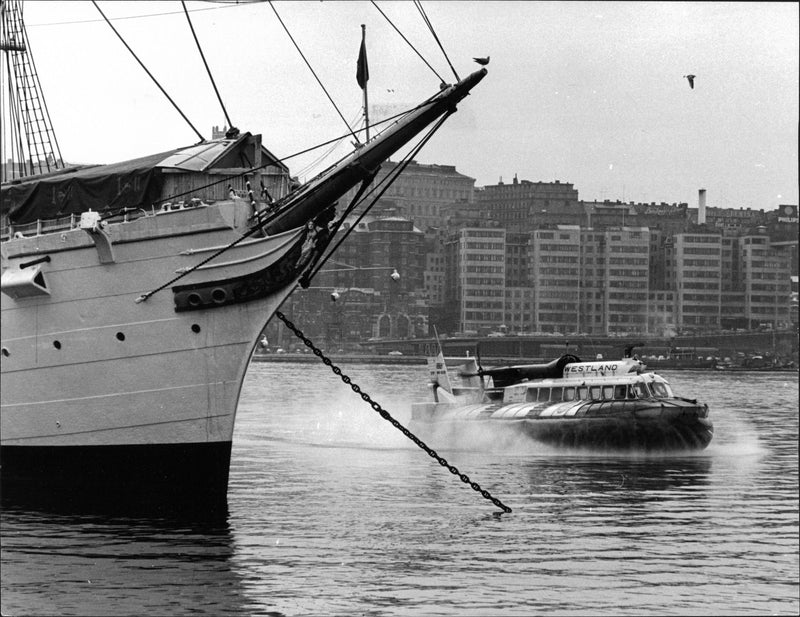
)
(89, 367)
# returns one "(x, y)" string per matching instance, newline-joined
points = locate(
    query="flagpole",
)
(366, 98)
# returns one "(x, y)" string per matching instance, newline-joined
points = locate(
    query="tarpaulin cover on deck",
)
(132, 184)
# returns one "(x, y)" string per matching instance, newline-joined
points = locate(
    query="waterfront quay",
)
(704, 351)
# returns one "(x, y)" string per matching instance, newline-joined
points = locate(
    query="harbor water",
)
(332, 511)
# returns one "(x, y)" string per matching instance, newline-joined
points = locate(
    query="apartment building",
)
(475, 278)
(518, 310)
(518, 287)
(555, 271)
(424, 194)
(369, 301)
(522, 205)
(661, 320)
(615, 280)
(694, 263)
(767, 284)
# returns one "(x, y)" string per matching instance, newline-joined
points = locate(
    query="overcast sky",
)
(587, 93)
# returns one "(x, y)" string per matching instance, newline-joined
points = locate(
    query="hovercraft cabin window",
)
(640, 390)
(618, 392)
(660, 389)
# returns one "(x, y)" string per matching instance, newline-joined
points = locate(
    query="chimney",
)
(701, 207)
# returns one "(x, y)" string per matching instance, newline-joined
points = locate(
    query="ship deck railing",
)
(42, 227)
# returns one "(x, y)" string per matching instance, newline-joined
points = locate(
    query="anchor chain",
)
(388, 417)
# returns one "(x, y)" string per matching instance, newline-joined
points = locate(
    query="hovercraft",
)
(566, 403)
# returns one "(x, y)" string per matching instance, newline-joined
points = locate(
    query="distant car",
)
(395, 353)
(280, 350)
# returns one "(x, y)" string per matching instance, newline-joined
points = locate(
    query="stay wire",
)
(208, 70)
(217, 253)
(407, 41)
(144, 16)
(297, 47)
(274, 213)
(303, 171)
(155, 81)
(43, 114)
(387, 182)
(249, 171)
(15, 120)
(418, 4)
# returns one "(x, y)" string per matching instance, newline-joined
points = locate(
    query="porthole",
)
(219, 295)
(195, 328)
(57, 344)
(194, 300)
(120, 336)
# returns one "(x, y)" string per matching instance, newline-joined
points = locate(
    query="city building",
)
(523, 205)
(372, 287)
(475, 279)
(556, 278)
(425, 194)
(766, 280)
(694, 265)
(527, 257)
(621, 277)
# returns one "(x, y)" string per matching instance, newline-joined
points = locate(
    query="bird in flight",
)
(482, 61)
(691, 80)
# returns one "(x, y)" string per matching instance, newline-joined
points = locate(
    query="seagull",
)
(482, 61)
(395, 275)
(334, 296)
(691, 80)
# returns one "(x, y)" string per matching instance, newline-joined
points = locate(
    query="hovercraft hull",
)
(669, 426)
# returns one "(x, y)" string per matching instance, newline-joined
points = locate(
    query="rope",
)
(143, 16)
(247, 234)
(276, 210)
(252, 169)
(407, 41)
(305, 280)
(389, 180)
(388, 417)
(148, 72)
(418, 4)
(16, 116)
(310, 69)
(208, 70)
(304, 170)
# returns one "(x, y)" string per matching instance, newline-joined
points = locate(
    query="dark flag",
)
(362, 72)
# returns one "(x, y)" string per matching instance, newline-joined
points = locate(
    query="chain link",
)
(388, 417)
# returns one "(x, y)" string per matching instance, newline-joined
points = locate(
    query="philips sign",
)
(787, 214)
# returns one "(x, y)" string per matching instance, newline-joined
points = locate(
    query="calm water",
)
(333, 511)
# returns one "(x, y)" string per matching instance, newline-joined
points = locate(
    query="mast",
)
(28, 144)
